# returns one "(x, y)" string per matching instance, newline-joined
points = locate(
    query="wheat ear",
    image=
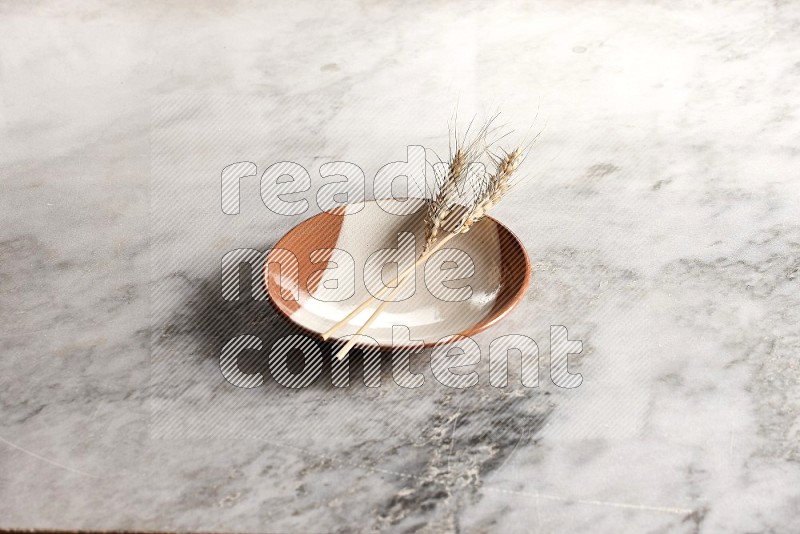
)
(494, 191)
(443, 201)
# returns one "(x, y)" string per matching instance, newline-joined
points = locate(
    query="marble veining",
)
(660, 212)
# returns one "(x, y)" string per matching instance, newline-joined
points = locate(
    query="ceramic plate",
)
(319, 272)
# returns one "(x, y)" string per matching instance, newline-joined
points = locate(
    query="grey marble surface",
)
(661, 214)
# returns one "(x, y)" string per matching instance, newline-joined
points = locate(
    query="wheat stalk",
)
(488, 194)
(450, 195)
(438, 208)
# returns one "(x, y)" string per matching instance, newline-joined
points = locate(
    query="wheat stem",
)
(383, 290)
(352, 341)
